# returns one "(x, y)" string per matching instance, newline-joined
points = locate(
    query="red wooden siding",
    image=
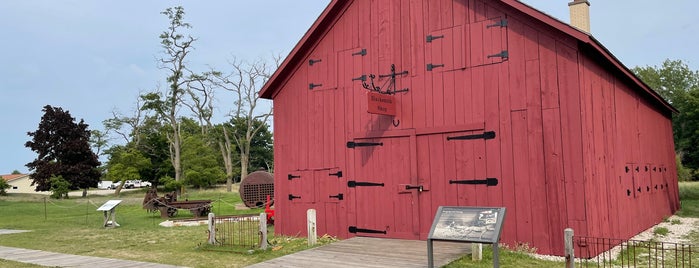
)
(570, 132)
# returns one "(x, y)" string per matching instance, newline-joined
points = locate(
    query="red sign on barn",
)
(381, 103)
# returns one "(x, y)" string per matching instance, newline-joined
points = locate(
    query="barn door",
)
(384, 191)
(332, 197)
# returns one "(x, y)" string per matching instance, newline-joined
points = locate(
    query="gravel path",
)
(677, 233)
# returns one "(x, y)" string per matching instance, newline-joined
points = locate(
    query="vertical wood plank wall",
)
(570, 133)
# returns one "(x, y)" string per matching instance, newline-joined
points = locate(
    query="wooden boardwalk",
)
(53, 259)
(370, 252)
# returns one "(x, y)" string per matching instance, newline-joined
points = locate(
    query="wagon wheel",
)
(171, 212)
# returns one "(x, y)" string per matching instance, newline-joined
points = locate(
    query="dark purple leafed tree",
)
(63, 149)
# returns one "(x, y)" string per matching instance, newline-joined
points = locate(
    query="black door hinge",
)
(354, 230)
(431, 66)
(292, 197)
(337, 174)
(312, 61)
(353, 184)
(501, 23)
(352, 145)
(360, 78)
(291, 177)
(312, 86)
(360, 53)
(338, 196)
(503, 54)
(487, 181)
(431, 38)
(486, 136)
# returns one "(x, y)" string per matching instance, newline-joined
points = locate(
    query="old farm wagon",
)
(386, 110)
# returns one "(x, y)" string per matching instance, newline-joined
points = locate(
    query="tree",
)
(59, 187)
(245, 81)
(261, 144)
(16, 172)
(126, 163)
(3, 186)
(679, 85)
(63, 150)
(167, 104)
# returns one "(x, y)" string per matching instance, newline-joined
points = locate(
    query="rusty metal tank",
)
(255, 189)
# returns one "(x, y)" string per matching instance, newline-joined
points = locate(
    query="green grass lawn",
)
(74, 226)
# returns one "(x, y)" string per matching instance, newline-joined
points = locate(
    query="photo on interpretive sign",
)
(473, 224)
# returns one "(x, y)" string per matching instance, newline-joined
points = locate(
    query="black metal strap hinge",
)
(501, 23)
(337, 174)
(354, 230)
(487, 181)
(338, 196)
(432, 66)
(312, 61)
(352, 145)
(353, 184)
(360, 78)
(488, 135)
(292, 197)
(504, 54)
(360, 53)
(311, 85)
(431, 38)
(291, 177)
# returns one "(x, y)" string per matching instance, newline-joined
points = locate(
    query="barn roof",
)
(335, 8)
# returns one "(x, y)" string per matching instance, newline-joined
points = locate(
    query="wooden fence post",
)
(263, 231)
(212, 229)
(476, 251)
(312, 232)
(570, 250)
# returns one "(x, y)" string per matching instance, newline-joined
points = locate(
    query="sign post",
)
(468, 225)
(109, 209)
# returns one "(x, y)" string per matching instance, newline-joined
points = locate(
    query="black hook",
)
(395, 124)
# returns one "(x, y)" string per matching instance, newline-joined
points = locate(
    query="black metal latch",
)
(418, 187)
(292, 197)
(487, 181)
(291, 177)
(337, 174)
(312, 86)
(338, 196)
(486, 136)
(352, 145)
(354, 230)
(353, 184)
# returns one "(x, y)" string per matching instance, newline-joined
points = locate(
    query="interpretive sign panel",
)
(109, 205)
(468, 224)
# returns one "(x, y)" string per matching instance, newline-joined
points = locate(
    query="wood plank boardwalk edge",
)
(53, 259)
(370, 253)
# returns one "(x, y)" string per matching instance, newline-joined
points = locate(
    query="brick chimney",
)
(580, 14)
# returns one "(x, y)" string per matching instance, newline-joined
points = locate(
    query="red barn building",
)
(490, 103)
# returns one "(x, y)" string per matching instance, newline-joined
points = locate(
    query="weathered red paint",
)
(575, 129)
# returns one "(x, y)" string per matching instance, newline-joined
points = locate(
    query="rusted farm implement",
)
(168, 204)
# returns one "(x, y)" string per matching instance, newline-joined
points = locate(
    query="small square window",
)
(14, 187)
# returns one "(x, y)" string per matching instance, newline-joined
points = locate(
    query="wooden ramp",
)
(371, 252)
(53, 259)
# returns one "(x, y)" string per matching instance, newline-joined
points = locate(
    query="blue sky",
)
(92, 57)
